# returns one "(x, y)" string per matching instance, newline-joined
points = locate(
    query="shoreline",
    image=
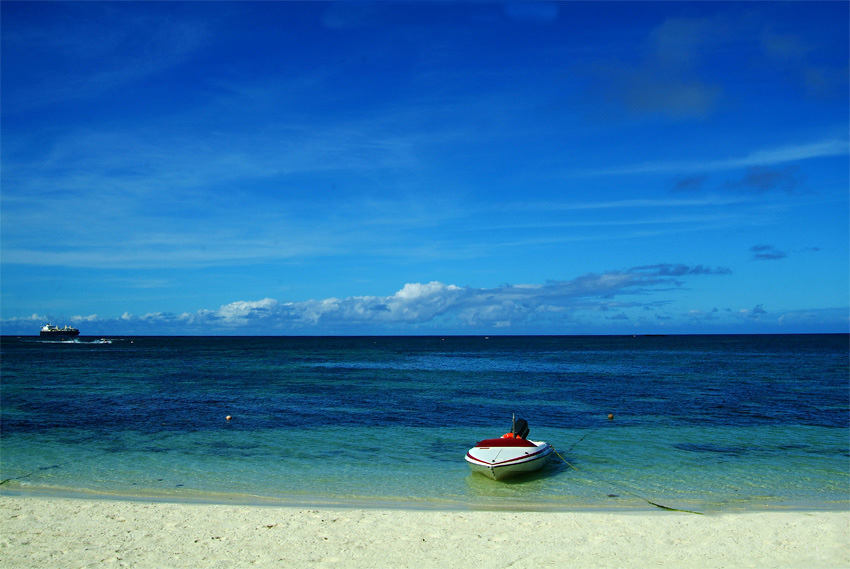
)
(637, 505)
(56, 531)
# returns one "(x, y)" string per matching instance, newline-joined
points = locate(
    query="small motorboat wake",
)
(509, 455)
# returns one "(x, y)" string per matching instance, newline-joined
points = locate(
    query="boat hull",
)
(503, 458)
(51, 331)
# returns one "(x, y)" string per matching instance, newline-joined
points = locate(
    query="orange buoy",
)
(610, 416)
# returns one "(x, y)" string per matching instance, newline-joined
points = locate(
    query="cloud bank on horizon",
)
(326, 168)
(432, 308)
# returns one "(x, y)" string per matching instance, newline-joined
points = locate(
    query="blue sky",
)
(425, 168)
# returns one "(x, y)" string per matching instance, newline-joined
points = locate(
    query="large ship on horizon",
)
(52, 331)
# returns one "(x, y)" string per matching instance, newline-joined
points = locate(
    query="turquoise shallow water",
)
(711, 423)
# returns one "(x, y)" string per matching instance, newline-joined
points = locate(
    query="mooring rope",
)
(626, 491)
(581, 439)
(43, 468)
(39, 469)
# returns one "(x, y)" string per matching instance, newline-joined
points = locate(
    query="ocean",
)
(702, 423)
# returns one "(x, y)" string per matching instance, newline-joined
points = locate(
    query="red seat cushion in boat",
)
(505, 443)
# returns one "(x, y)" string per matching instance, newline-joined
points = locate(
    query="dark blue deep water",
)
(700, 422)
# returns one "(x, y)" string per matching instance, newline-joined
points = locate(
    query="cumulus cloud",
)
(431, 306)
(89, 318)
(258, 309)
(439, 303)
(26, 319)
(755, 313)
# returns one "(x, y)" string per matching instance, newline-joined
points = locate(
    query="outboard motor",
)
(520, 428)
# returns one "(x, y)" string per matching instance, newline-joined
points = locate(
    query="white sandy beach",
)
(58, 532)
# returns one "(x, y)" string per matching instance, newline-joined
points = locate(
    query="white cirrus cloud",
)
(760, 158)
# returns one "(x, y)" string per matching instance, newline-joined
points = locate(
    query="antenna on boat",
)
(513, 422)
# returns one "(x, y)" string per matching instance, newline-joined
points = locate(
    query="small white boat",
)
(510, 454)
